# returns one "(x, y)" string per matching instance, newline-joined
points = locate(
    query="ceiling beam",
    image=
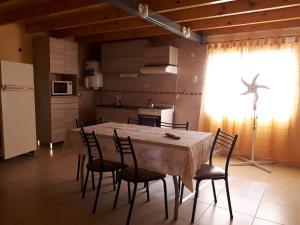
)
(246, 19)
(130, 34)
(201, 24)
(42, 8)
(155, 31)
(4, 1)
(108, 15)
(254, 27)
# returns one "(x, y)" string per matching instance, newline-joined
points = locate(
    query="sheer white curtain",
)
(277, 62)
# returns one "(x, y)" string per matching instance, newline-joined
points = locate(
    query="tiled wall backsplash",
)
(150, 92)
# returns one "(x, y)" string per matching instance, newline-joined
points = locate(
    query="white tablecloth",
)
(153, 149)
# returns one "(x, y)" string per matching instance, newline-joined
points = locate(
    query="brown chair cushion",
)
(94, 165)
(128, 174)
(209, 172)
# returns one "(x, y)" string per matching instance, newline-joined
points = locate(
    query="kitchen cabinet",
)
(71, 58)
(60, 55)
(120, 115)
(56, 55)
(64, 112)
(122, 65)
(55, 59)
(123, 57)
(162, 55)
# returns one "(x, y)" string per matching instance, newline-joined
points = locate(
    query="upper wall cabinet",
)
(57, 55)
(63, 56)
(164, 55)
(71, 57)
(123, 57)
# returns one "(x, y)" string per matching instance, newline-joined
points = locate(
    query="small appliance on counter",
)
(60, 87)
(94, 78)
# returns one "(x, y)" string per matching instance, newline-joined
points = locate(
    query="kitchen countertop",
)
(130, 107)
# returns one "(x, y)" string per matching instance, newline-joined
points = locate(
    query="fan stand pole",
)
(252, 161)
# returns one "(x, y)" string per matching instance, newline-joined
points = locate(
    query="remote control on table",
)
(173, 136)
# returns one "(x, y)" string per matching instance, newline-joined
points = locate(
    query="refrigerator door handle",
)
(16, 88)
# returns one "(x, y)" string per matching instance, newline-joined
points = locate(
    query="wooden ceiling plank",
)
(246, 19)
(131, 34)
(156, 31)
(203, 24)
(254, 27)
(44, 8)
(108, 15)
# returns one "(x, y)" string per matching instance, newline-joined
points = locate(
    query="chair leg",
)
(114, 180)
(181, 192)
(132, 203)
(129, 192)
(195, 201)
(214, 190)
(166, 198)
(85, 183)
(117, 194)
(228, 198)
(97, 193)
(78, 167)
(93, 180)
(147, 190)
(179, 183)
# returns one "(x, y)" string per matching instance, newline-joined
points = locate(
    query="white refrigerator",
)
(18, 124)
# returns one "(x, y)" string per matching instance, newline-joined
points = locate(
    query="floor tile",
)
(42, 190)
(218, 216)
(239, 203)
(258, 221)
(278, 213)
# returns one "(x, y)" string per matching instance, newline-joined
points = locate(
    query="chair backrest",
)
(227, 141)
(175, 125)
(89, 122)
(91, 142)
(131, 120)
(80, 124)
(124, 147)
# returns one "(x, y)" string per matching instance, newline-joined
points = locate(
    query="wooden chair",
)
(134, 174)
(175, 125)
(211, 172)
(85, 123)
(96, 164)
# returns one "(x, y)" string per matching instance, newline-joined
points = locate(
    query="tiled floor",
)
(42, 190)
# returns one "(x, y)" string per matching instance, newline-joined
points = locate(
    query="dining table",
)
(154, 150)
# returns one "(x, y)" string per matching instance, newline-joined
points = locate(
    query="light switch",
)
(195, 78)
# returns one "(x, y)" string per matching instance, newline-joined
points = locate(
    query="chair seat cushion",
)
(209, 172)
(94, 165)
(128, 174)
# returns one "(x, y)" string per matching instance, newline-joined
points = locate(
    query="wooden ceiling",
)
(96, 21)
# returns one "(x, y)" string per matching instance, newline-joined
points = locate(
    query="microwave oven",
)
(62, 87)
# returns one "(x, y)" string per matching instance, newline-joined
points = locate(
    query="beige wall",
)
(15, 44)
